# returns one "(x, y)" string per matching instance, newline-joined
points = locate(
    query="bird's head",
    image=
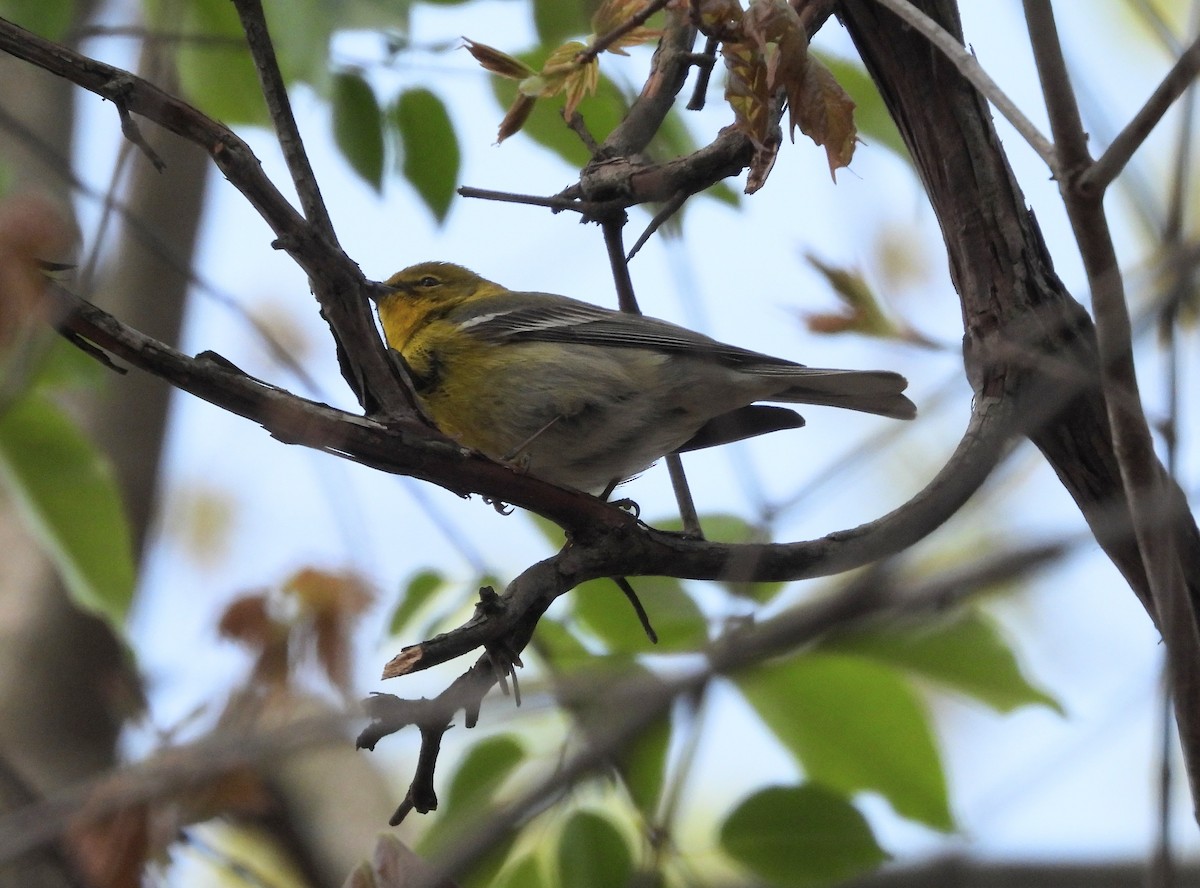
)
(424, 291)
(434, 282)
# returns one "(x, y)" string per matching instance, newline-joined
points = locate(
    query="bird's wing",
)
(537, 317)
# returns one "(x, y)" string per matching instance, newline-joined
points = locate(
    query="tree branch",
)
(1156, 518)
(633, 705)
(969, 67)
(254, 24)
(1110, 164)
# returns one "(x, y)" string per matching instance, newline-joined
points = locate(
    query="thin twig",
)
(683, 496)
(1163, 868)
(161, 778)
(970, 68)
(254, 23)
(704, 62)
(636, 603)
(628, 302)
(1109, 165)
(553, 202)
(579, 126)
(130, 130)
(669, 209)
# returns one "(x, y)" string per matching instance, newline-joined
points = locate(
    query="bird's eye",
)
(428, 281)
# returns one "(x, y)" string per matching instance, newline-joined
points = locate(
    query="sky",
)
(1032, 784)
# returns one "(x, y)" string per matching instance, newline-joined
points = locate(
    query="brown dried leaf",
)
(32, 229)
(321, 591)
(829, 323)
(111, 851)
(518, 113)
(721, 18)
(498, 62)
(580, 84)
(746, 92)
(825, 113)
(611, 14)
(863, 312)
(237, 791)
(329, 604)
(247, 620)
(634, 37)
(775, 29)
(761, 165)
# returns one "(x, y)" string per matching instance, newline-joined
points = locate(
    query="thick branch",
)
(952, 46)
(652, 552)
(605, 540)
(1013, 303)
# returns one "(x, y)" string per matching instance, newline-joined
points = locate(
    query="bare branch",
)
(279, 106)
(160, 777)
(635, 704)
(1155, 508)
(970, 68)
(1109, 165)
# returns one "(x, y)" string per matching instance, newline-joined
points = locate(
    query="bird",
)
(587, 397)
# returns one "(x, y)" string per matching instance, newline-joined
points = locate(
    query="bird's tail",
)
(870, 391)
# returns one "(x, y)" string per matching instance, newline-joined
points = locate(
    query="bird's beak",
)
(378, 291)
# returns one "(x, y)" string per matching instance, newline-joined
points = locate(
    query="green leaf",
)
(601, 607)
(643, 765)
(601, 113)
(525, 873)
(556, 20)
(68, 497)
(965, 652)
(216, 73)
(358, 126)
(592, 853)
(47, 18)
(423, 586)
(430, 148)
(300, 32)
(853, 724)
(469, 800)
(800, 835)
(483, 873)
(871, 115)
(483, 770)
(558, 646)
(63, 367)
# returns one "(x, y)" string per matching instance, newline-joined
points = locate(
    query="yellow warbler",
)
(583, 396)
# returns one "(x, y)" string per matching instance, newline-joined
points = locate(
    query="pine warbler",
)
(586, 397)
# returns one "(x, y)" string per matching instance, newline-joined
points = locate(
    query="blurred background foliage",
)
(856, 728)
